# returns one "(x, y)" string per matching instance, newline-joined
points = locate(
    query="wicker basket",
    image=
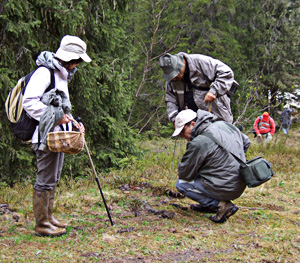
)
(65, 141)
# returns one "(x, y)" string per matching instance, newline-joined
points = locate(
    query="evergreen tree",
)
(123, 88)
(99, 90)
(257, 39)
(269, 39)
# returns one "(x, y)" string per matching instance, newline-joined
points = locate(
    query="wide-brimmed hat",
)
(72, 47)
(171, 65)
(183, 118)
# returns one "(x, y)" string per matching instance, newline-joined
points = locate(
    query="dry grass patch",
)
(152, 223)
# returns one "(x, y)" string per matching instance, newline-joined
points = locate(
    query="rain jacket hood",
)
(47, 59)
(204, 119)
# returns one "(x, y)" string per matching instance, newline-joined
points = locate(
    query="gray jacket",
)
(218, 170)
(58, 104)
(205, 73)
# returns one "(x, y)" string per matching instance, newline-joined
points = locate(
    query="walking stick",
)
(262, 139)
(98, 183)
(209, 107)
(174, 153)
(78, 120)
(280, 129)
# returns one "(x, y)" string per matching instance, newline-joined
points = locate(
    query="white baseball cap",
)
(183, 118)
(72, 47)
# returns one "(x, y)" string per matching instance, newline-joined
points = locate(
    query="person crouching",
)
(207, 173)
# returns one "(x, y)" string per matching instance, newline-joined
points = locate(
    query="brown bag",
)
(65, 141)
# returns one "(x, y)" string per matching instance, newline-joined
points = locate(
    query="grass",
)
(265, 229)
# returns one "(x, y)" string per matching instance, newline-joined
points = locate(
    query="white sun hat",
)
(183, 118)
(72, 47)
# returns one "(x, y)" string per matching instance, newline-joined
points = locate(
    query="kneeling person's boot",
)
(225, 210)
(52, 219)
(40, 209)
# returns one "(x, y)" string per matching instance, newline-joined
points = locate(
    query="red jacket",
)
(264, 125)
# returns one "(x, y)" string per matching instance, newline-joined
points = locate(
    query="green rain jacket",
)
(218, 170)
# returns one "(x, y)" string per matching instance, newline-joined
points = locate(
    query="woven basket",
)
(65, 141)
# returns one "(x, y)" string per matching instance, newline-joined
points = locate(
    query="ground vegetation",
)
(152, 221)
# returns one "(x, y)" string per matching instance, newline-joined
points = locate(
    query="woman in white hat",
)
(54, 71)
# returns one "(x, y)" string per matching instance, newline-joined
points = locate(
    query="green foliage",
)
(257, 39)
(122, 88)
(100, 91)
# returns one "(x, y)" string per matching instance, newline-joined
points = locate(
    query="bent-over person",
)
(264, 127)
(193, 81)
(207, 173)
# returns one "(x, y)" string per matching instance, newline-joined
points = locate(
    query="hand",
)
(78, 126)
(209, 97)
(65, 119)
(260, 136)
(81, 128)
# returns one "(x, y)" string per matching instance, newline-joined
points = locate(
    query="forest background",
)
(120, 94)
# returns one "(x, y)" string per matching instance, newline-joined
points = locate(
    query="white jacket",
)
(36, 87)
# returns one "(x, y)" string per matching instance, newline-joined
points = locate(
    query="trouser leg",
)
(268, 137)
(285, 130)
(49, 167)
(196, 192)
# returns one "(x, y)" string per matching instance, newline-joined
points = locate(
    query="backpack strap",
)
(260, 120)
(179, 87)
(52, 81)
(215, 140)
(51, 86)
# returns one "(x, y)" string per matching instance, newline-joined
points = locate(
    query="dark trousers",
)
(49, 166)
(196, 192)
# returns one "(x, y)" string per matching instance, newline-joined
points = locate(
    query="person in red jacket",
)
(264, 127)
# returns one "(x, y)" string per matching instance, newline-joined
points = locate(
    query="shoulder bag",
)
(255, 172)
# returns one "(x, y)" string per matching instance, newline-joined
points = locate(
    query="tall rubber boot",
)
(52, 220)
(40, 209)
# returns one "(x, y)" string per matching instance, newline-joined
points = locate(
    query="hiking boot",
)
(51, 218)
(225, 210)
(201, 209)
(40, 209)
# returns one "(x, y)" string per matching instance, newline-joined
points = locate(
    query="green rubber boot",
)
(52, 219)
(40, 209)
